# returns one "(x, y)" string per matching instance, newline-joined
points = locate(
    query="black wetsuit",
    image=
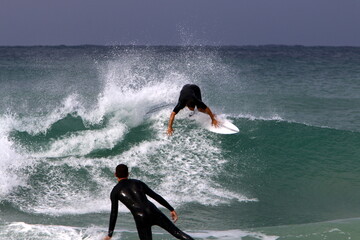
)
(132, 193)
(189, 94)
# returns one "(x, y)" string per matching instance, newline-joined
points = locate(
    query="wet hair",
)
(122, 171)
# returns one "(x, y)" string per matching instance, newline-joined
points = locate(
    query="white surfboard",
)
(225, 126)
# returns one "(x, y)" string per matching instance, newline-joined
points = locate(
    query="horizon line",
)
(179, 45)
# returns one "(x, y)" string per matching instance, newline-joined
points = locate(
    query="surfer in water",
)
(132, 193)
(190, 96)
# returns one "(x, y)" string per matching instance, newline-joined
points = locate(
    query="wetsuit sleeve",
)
(114, 212)
(157, 197)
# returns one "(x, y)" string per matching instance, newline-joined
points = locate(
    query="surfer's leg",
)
(165, 223)
(143, 226)
(144, 232)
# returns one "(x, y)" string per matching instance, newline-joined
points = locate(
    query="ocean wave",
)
(181, 168)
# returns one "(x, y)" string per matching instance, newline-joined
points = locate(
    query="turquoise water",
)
(69, 115)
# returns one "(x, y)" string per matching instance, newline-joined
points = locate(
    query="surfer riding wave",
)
(190, 96)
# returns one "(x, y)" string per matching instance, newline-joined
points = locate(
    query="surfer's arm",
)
(148, 191)
(171, 121)
(207, 110)
(113, 214)
(162, 201)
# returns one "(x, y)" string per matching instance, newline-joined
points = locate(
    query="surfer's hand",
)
(215, 123)
(107, 238)
(170, 131)
(174, 216)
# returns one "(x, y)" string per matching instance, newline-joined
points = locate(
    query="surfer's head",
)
(122, 171)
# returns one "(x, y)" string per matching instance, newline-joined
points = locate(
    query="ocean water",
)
(69, 115)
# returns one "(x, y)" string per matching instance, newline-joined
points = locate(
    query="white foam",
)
(187, 162)
(11, 162)
(181, 168)
(63, 192)
(235, 234)
(21, 230)
(84, 142)
(273, 117)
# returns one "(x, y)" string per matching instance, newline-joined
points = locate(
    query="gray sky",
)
(180, 22)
